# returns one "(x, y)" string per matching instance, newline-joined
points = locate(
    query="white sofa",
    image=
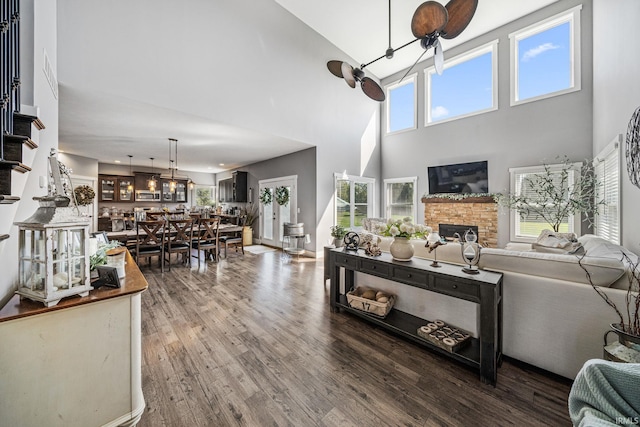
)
(552, 316)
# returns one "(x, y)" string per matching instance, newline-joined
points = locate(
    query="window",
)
(527, 228)
(401, 105)
(353, 200)
(468, 86)
(607, 170)
(545, 58)
(205, 195)
(401, 198)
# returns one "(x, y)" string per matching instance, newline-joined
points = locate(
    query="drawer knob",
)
(409, 275)
(374, 267)
(455, 286)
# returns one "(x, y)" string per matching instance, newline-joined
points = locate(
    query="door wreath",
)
(265, 196)
(282, 195)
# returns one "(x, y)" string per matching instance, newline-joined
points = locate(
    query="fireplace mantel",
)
(479, 199)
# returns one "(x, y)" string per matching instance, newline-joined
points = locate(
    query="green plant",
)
(282, 195)
(100, 257)
(338, 231)
(555, 194)
(251, 211)
(265, 196)
(402, 228)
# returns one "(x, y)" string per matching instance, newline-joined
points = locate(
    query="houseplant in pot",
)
(338, 232)
(402, 230)
(251, 211)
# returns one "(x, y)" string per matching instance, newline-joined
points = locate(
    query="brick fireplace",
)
(479, 211)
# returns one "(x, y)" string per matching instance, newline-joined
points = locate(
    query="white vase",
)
(401, 249)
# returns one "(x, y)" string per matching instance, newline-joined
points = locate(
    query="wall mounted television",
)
(459, 178)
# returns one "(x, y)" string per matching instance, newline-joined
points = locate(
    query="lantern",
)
(53, 252)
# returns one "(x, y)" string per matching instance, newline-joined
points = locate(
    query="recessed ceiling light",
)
(221, 164)
(60, 151)
(117, 161)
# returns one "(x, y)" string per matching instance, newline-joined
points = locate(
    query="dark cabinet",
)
(233, 189)
(239, 182)
(179, 195)
(115, 188)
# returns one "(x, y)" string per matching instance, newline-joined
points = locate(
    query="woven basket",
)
(379, 309)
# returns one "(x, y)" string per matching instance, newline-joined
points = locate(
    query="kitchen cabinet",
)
(115, 188)
(178, 196)
(233, 189)
(143, 194)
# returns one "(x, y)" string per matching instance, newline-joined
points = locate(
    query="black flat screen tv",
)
(459, 178)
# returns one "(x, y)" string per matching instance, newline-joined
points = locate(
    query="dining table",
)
(125, 236)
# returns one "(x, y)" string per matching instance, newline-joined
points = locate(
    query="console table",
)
(485, 289)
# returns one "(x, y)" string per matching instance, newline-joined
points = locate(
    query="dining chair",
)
(179, 240)
(235, 238)
(207, 238)
(150, 240)
(154, 216)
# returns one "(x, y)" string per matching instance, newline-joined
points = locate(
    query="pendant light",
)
(173, 184)
(130, 186)
(152, 183)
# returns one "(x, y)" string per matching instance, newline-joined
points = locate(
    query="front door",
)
(273, 215)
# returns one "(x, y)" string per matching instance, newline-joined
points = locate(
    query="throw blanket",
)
(606, 394)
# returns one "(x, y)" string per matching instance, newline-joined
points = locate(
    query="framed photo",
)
(107, 276)
(101, 236)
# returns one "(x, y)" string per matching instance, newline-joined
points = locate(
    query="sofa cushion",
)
(603, 271)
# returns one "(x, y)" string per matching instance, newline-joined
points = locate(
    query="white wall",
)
(616, 93)
(525, 135)
(40, 14)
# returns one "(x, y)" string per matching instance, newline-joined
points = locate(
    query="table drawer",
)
(346, 261)
(411, 277)
(455, 288)
(373, 267)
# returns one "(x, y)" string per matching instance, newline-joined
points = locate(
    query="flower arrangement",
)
(282, 195)
(461, 196)
(84, 195)
(402, 228)
(265, 196)
(100, 257)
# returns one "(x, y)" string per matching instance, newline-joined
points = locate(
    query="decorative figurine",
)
(351, 241)
(433, 241)
(470, 251)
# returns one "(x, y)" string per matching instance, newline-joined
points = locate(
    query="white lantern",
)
(53, 253)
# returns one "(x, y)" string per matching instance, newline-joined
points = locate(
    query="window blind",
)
(607, 170)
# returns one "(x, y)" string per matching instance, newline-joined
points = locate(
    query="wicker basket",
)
(444, 335)
(370, 306)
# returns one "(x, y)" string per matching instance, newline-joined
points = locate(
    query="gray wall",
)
(302, 164)
(616, 93)
(525, 135)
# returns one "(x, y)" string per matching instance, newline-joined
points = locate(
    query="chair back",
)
(209, 230)
(242, 220)
(150, 234)
(154, 216)
(181, 231)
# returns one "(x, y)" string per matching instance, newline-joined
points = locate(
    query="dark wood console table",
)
(485, 289)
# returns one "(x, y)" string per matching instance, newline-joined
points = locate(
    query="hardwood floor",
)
(250, 341)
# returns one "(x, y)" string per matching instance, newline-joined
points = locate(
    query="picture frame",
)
(107, 276)
(101, 236)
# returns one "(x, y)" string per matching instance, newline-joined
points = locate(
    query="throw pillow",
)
(560, 243)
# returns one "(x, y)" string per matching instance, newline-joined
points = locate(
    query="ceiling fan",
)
(430, 21)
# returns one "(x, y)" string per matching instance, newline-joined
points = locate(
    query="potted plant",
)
(553, 195)
(338, 232)
(251, 211)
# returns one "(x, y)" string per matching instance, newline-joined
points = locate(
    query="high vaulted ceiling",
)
(236, 82)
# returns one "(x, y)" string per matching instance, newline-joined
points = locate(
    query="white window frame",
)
(607, 169)
(491, 47)
(371, 205)
(573, 220)
(413, 78)
(387, 202)
(212, 189)
(573, 17)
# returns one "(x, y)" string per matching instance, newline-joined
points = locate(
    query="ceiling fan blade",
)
(372, 89)
(460, 14)
(428, 18)
(347, 73)
(335, 67)
(438, 57)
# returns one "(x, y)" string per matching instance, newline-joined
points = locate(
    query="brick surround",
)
(479, 211)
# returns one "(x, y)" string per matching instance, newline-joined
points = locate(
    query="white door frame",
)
(292, 181)
(94, 184)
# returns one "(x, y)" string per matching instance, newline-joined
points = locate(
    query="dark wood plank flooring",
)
(250, 341)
